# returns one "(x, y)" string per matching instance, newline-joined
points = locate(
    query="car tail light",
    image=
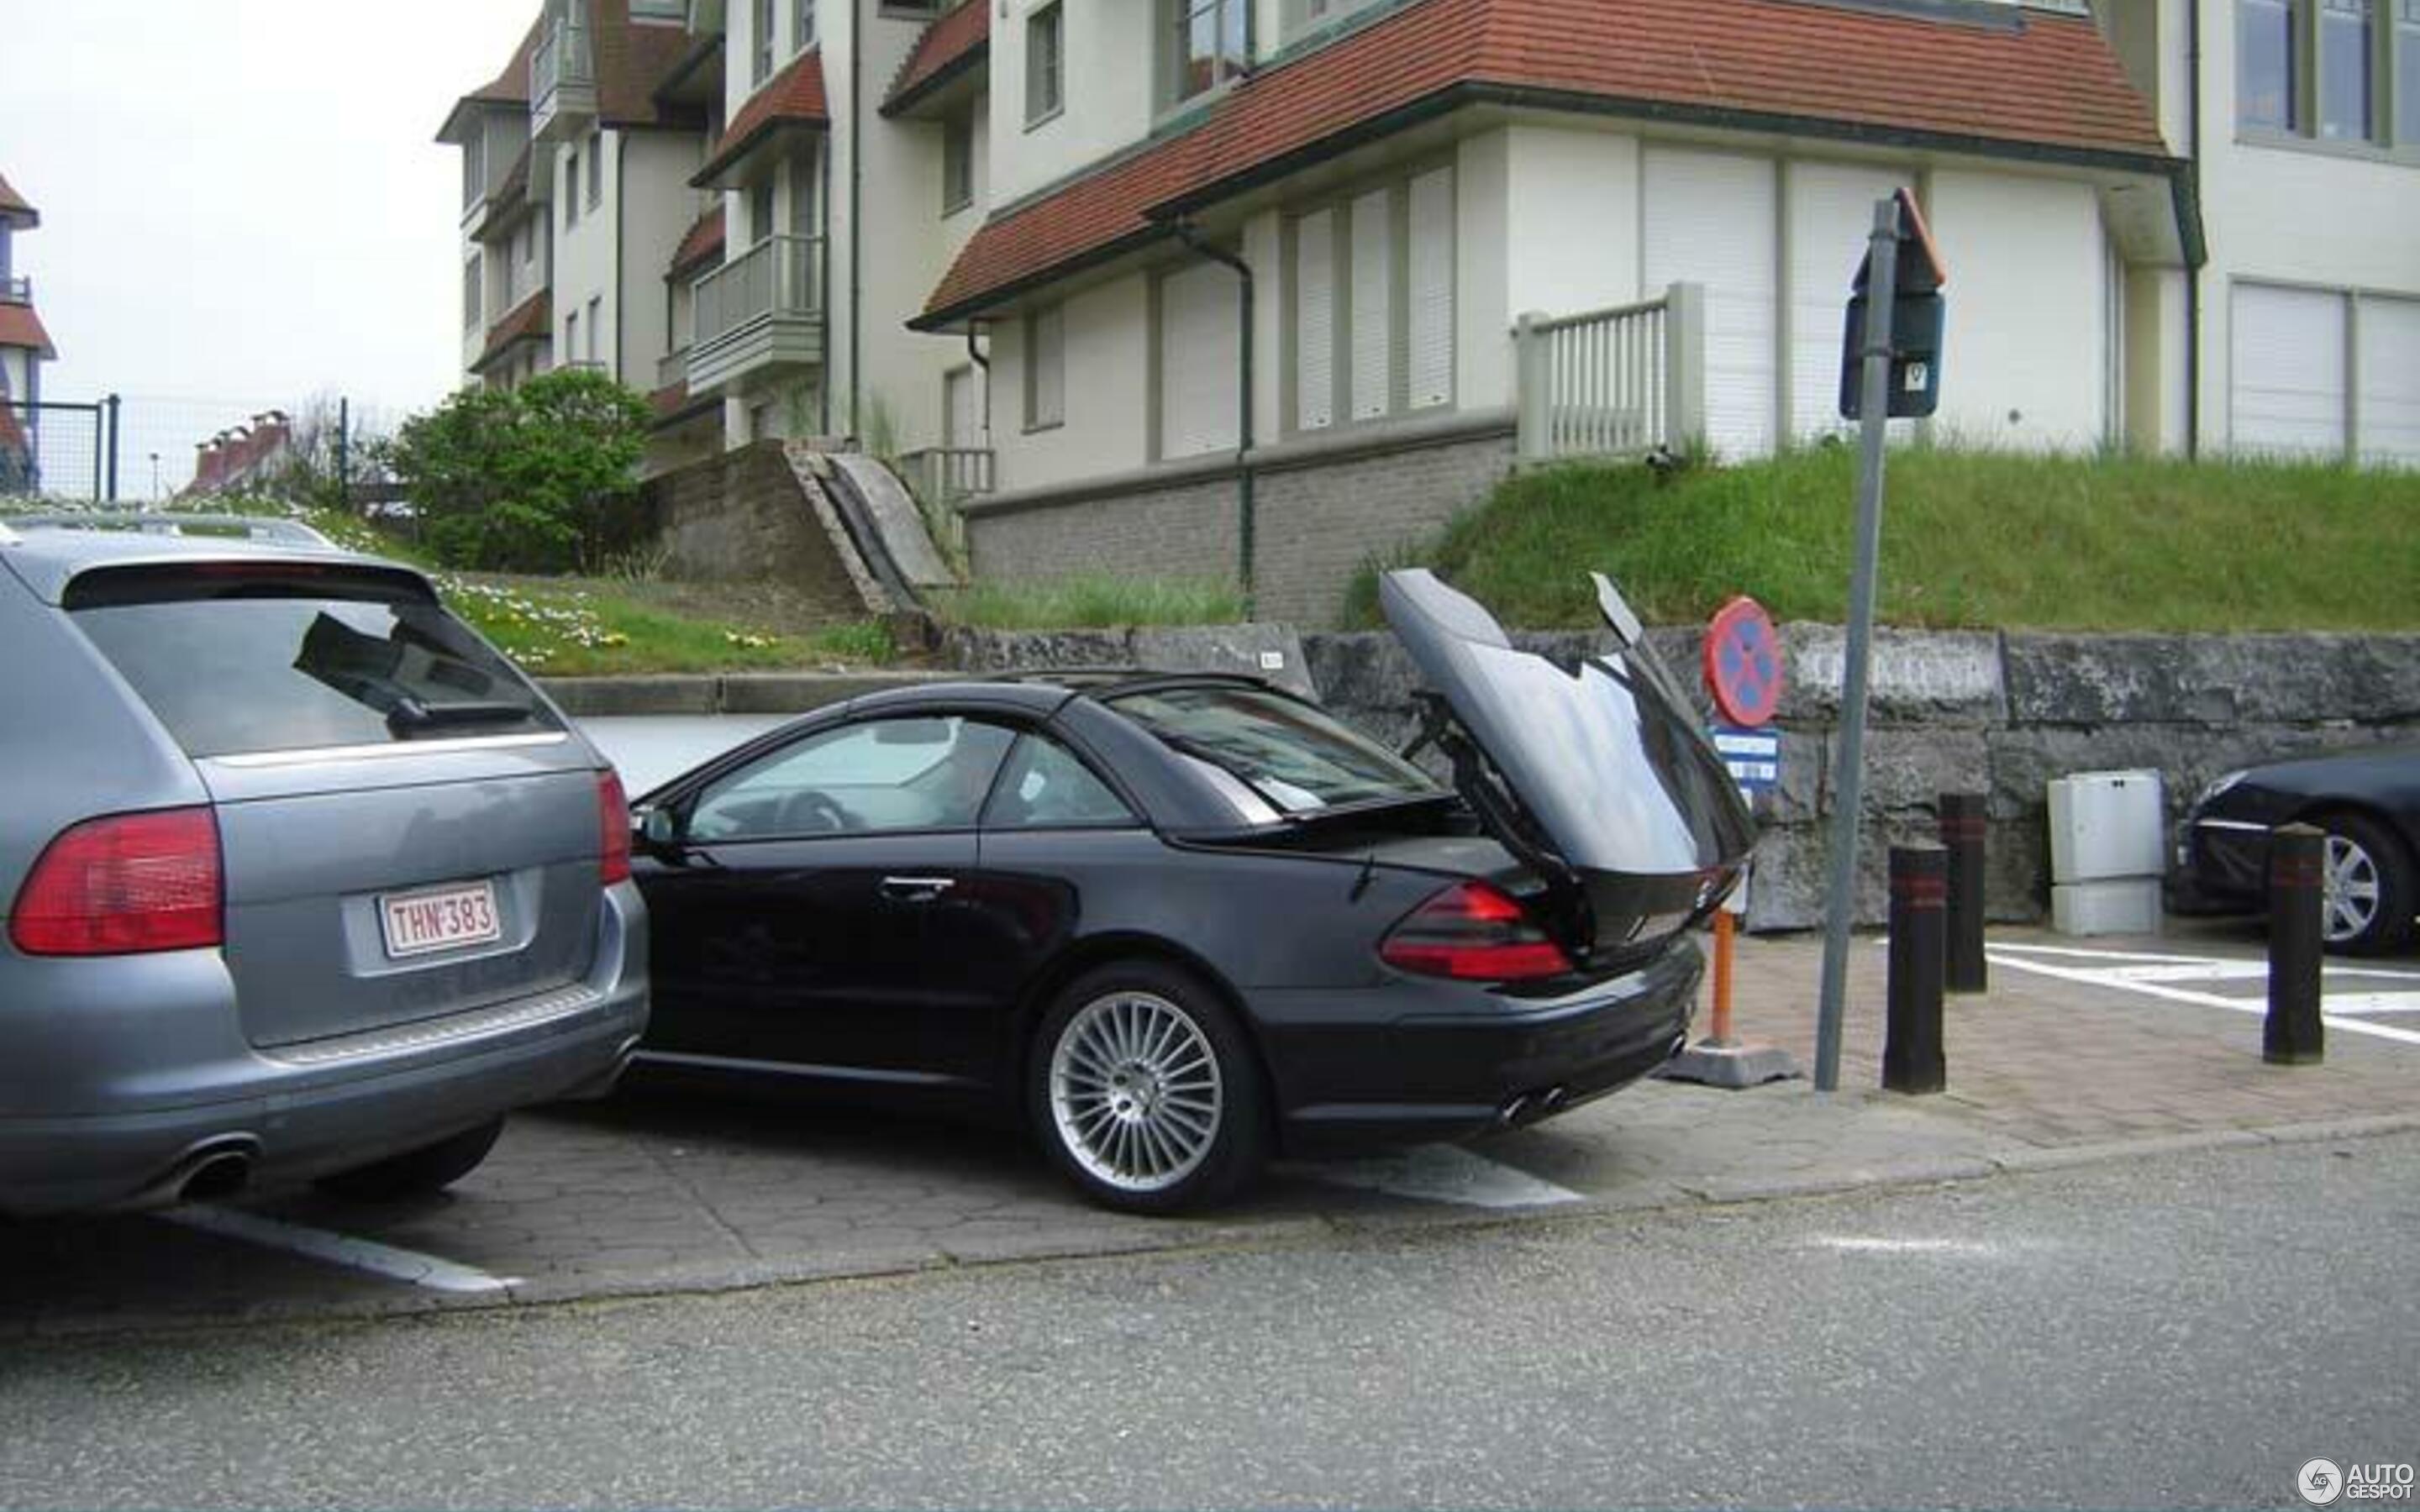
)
(128, 884)
(613, 814)
(1473, 933)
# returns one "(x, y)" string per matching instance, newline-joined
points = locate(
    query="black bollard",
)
(2293, 1035)
(1963, 832)
(1912, 1050)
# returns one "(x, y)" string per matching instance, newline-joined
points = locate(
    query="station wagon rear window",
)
(241, 660)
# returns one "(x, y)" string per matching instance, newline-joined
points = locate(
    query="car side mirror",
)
(660, 829)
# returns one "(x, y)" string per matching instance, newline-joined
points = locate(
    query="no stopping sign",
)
(1743, 663)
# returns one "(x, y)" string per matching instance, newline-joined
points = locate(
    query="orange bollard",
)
(1722, 1027)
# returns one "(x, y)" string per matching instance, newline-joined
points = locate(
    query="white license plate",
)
(441, 918)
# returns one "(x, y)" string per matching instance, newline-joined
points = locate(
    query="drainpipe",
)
(857, 43)
(2193, 269)
(621, 263)
(1244, 501)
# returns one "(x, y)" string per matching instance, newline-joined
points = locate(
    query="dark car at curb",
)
(2367, 802)
(1174, 924)
(300, 879)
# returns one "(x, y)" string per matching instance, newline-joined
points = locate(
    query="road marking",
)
(1868, 1244)
(2128, 979)
(1445, 1173)
(342, 1249)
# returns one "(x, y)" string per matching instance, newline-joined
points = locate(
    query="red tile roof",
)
(2049, 85)
(632, 59)
(673, 403)
(14, 206)
(704, 244)
(794, 97)
(21, 327)
(510, 87)
(953, 43)
(532, 320)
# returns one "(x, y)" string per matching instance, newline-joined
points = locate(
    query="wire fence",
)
(139, 450)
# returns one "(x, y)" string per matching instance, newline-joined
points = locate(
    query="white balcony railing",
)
(1613, 382)
(945, 475)
(779, 278)
(671, 368)
(563, 70)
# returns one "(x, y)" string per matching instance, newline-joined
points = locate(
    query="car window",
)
(1290, 755)
(879, 775)
(233, 666)
(1046, 786)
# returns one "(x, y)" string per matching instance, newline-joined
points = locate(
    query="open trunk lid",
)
(1598, 776)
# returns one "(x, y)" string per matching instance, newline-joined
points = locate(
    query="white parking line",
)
(342, 1249)
(2129, 976)
(1446, 1173)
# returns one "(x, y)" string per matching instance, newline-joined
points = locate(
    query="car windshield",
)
(1296, 759)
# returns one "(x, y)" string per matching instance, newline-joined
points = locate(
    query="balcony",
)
(671, 368)
(562, 80)
(18, 290)
(760, 310)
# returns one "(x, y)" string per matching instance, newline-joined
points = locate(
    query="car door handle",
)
(916, 889)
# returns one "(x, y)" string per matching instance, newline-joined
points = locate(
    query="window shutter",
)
(1314, 332)
(1373, 266)
(2390, 381)
(1430, 323)
(1710, 221)
(2286, 372)
(1198, 356)
(1048, 382)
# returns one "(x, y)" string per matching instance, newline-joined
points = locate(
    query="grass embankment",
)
(1982, 540)
(602, 626)
(1097, 601)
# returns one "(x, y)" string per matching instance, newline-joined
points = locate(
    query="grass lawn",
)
(1970, 539)
(1096, 601)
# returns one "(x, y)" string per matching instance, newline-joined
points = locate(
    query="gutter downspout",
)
(857, 44)
(621, 258)
(2193, 268)
(1245, 504)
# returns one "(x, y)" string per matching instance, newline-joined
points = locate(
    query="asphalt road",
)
(2184, 1331)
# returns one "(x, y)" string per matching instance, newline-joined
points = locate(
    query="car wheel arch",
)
(1094, 952)
(2320, 811)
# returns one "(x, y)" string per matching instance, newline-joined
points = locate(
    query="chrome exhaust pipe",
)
(218, 1174)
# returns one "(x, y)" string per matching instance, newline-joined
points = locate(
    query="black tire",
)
(416, 1172)
(1177, 1120)
(2365, 853)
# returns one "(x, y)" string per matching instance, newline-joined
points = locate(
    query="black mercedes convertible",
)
(1175, 923)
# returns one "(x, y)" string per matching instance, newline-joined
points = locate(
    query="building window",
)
(1199, 349)
(1371, 328)
(595, 170)
(957, 162)
(1302, 16)
(1046, 368)
(1204, 44)
(471, 295)
(764, 63)
(595, 319)
(802, 20)
(571, 188)
(570, 339)
(1046, 62)
(2333, 70)
(760, 209)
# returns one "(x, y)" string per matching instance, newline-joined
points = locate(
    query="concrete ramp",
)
(892, 511)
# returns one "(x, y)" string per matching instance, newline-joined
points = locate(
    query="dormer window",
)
(764, 38)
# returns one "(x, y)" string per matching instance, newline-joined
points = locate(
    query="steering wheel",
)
(810, 813)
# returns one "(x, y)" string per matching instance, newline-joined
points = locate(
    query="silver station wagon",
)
(299, 878)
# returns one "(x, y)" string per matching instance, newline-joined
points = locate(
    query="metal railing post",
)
(111, 403)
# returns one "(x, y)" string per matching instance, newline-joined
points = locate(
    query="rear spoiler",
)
(264, 528)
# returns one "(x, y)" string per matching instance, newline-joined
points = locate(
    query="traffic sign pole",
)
(1849, 799)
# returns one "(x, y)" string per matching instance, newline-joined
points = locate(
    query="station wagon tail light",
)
(1473, 933)
(126, 885)
(613, 814)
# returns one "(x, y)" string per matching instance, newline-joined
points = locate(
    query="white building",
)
(1034, 291)
(24, 347)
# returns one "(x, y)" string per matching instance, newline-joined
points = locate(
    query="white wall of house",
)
(1107, 391)
(585, 265)
(657, 207)
(1109, 92)
(2026, 348)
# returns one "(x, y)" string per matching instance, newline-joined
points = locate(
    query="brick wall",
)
(1321, 509)
(743, 518)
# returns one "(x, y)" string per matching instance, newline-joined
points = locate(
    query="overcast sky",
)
(242, 202)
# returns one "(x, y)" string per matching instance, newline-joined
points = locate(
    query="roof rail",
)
(1116, 676)
(251, 527)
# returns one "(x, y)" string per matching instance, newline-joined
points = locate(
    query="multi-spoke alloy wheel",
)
(2368, 885)
(1134, 1091)
(1144, 1091)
